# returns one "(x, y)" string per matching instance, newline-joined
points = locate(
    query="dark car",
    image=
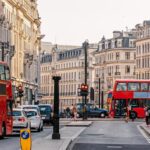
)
(91, 110)
(46, 112)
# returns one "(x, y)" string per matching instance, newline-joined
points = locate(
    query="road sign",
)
(25, 139)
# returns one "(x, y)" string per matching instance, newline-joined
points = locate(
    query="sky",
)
(71, 22)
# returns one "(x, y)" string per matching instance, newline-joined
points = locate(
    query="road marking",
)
(144, 134)
(116, 147)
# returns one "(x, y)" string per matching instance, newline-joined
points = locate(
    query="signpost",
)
(25, 139)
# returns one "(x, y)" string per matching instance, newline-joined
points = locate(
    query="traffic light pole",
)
(99, 92)
(85, 46)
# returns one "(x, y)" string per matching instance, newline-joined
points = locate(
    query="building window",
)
(127, 69)
(127, 55)
(117, 55)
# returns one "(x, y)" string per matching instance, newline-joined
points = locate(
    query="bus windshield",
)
(4, 72)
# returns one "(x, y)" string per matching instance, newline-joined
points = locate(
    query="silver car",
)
(20, 120)
(35, 118)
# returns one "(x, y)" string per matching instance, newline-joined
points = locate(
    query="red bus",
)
(6, 120)
(134, 94)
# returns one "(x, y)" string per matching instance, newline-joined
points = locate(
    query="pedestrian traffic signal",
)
(20, 91)
(84, 89)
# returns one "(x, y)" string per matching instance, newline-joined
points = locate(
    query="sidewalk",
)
(145, 128)
(67, 134)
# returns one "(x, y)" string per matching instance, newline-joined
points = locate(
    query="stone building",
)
(24, 26)
(69, 64)
(114, 59)
(143, 50)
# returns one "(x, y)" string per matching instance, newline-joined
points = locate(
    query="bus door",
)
(120, 107)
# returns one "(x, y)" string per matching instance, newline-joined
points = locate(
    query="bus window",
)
(7, 73)
(121, 87)
(144, 86)
(133, 87)
(2, 73)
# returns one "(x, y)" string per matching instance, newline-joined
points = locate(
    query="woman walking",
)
(74, 111)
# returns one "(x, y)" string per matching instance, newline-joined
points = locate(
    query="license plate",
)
(43, 117)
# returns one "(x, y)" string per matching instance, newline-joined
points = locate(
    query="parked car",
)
(91, 110)
(20, 120)
(46, 112)
(35, 118)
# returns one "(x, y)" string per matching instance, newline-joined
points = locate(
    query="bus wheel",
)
(133, 115)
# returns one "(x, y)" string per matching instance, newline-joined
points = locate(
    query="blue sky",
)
(72, 21)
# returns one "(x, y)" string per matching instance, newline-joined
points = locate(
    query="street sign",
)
(25, 139)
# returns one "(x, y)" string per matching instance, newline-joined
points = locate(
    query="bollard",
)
(56, 134)
(25, 139)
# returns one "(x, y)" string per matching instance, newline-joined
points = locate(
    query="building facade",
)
(114, 59)
(143, 50)
(24, 27)
(69, 64)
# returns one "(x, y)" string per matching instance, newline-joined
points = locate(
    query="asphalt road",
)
(111, 135)
(13, 142)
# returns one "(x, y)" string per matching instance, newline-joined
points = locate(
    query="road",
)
(111, 135)
(13, 142)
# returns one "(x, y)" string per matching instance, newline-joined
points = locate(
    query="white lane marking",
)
(143, 133)
(116, 147)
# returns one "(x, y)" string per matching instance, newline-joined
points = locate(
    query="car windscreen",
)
(44, 110)
(31, 113)
(16, 113)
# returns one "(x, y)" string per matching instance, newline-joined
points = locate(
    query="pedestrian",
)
(146, 116)
(74, 111)
(68, 112)
(127, 114)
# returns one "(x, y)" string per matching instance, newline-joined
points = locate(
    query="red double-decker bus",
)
(6, 101)
(133, 94)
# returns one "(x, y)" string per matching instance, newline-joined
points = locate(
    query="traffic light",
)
(84, 89)
(20, 91)
(33, 97)
(92, 93)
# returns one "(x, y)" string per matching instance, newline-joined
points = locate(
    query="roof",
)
(132, 80)
(31, 110)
